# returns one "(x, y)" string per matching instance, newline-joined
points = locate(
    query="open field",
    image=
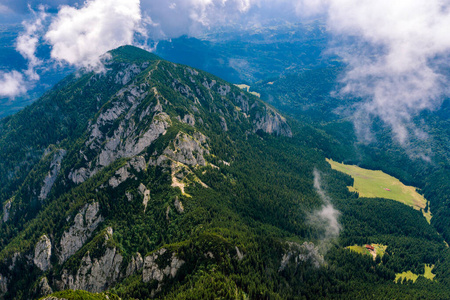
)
(378, 250)
(359, 249)
(410, 275)
(376, 184)
(247, 88)
(428, 273)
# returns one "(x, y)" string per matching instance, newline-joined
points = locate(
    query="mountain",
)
(158, 180)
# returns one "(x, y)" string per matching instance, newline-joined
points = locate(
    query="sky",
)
(394, 49)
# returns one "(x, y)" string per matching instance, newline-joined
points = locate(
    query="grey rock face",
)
(223, 124)
(135, 264)
(95, 274)
(6, 210)
(85, 222)
(209, 85)
(178, 205)
(188, 150)
(116, 133)
(125, 76)
(145, 193)
(272, 122)
(121, 175)
(44, 288)
(42, 253)
(189, 119)
(153, 271)
(55, 167)
(223, 90)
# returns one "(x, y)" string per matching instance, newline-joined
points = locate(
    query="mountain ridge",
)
(153, 179)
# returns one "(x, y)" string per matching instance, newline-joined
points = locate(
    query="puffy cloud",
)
(80, 36)
(11, 84)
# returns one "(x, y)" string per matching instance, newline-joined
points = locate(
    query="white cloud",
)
(80, 36)
(11, 84)
(325, 219)
(28, 41)
(391, 48)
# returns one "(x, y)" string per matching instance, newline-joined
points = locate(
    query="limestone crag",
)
(126, 139)
(42, 253)
(44, 288)
(272, 122)
(154, 271)
(188, 150)
(6, 210)
(136, 264)
(95, 274)
(55, 167)
(85, 222)
(145, 193)
(136, 163)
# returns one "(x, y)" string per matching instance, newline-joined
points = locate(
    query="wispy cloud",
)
(28, 41)
(395, 52)
(325, 219)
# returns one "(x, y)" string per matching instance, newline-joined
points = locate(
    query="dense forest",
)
(226, 194)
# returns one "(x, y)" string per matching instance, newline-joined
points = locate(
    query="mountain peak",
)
(132, 54)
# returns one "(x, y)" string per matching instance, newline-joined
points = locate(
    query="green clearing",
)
(408, 275)
(247, 88)
(377, 184)
(411, 276)
(359, 249)
(428, 274)
(379, 250)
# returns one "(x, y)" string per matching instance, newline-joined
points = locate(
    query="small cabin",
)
(387, 189)
(370, 247)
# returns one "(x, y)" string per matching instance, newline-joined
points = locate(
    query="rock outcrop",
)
(55, 167)
(156, 268)
(126, 139)
(43, 288)
(146, 194)
(94, 274)
(136, 264)
(272, 122)
(43, 253)
(188, 150)
(136, 163)
(6, 210)
(85, 222)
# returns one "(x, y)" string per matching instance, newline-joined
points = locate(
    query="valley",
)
(157, 179)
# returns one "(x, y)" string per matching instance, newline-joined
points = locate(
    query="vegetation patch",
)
(377, 184)
(369, 249)
(247, 88)
(399, 277)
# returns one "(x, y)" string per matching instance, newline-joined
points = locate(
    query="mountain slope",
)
(154, 179)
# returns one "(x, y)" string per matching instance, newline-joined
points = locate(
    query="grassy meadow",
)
(377, 184)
